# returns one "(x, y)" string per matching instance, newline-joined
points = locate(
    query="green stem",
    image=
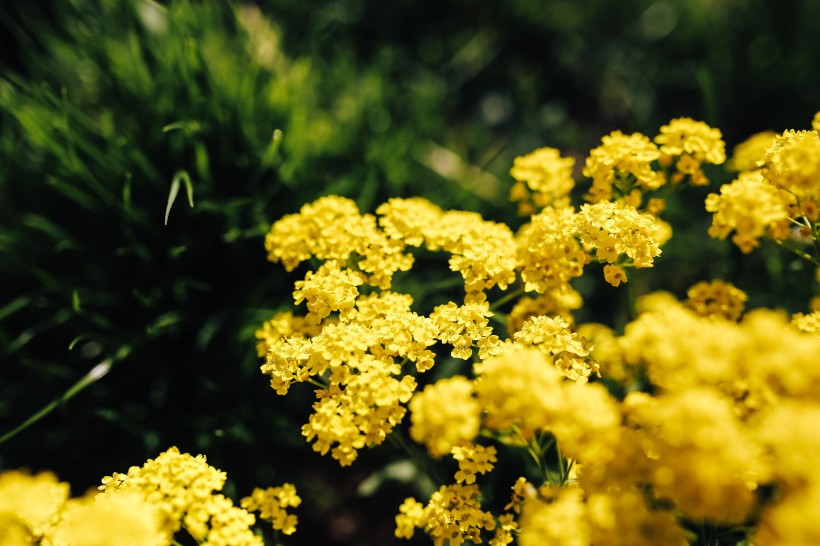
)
(96, 373)
(804, 255)
(316, 383)
(507, 297)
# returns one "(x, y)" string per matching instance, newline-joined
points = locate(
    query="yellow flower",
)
(614, 275)
(620, 156)
(124, 519)
(549, 256)
(35, 501)
(562, 522)
(569, 351)
(544, 173)
(748, 154)
(445, 414)
(792, 163)
(473, 459)
(617, 231)
(716, 298)
(271, 503)
(174, 482)
(752, 208)
(692, 143)
(519, 391)
(809, 323)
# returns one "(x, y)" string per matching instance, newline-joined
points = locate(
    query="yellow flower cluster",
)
(619, 157)
(271, 503)
(544, 178)
(332, 229)
(444, 415)
(144, 507)
(686, 423)
(777, 193)
(482, 251)
(549, 255)
(752, 208)
(809, 323)
(569, 351)
(692, 143)
(716, 299)
(454, 512)
(735, 400)
(183, 488)
(555, 302)
(748, 154)
(792, 163)
(619, 235)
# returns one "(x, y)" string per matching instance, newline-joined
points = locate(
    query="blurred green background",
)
(106, 105)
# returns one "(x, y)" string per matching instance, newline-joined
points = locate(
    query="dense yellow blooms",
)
(329, 289)
(549, 255)
(703, 458)
(560, 302)
(748, 154)
(544, 178)
(445, 414)
(125, 519)
(175, 492)
(716, 299)
(555, 517)
(619, 157)
(454, 512)
(619, 234)
(473, 459)
(332, 229)
(567, 349)
(34, 502)
(271, 503)
(691, 143)
(792, 163)
(519, 391)
(752, 208)
(697, 413)
(809, 323)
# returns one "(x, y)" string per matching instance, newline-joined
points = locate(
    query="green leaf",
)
(172, 194)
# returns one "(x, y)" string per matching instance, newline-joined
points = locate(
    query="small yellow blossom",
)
(452, 516)
(809, 323)
(617, 232)
(549, 255)
(748, 154)
(561, 522)
(472, 460)
(34, 501)
(752, 208)
(544, 178)
(271, 503)
(614, 275)
(792, 163)
(569, 351)
(716, 298)
(445, 414)
(124, 519)
(692, 143)
(461, 326)
(618, 157)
